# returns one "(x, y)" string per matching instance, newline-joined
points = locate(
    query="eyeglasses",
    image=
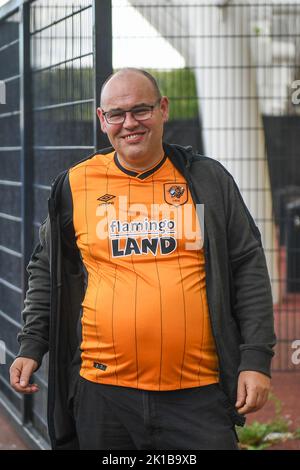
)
(139, 113)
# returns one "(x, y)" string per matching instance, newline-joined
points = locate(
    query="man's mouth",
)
(134, 137)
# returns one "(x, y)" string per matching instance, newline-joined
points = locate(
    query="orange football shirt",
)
(145, 320)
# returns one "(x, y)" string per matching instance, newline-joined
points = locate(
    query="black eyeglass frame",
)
(131, 110)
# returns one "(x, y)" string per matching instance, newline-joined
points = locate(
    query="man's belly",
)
(147, 334)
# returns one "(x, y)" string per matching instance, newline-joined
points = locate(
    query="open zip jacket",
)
(237, 283)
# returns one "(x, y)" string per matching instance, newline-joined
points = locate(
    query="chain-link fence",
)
(49, 60)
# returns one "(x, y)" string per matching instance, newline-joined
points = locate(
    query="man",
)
(159, 326)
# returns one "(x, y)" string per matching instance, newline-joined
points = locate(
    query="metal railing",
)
(54, 57)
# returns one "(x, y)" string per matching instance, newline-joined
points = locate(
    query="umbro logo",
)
(106, 198)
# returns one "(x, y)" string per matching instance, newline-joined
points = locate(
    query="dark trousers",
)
(110, 417)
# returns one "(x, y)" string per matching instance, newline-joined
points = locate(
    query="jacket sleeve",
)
(34, 337)
(251, 288)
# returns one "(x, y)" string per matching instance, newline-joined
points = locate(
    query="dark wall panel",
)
(60, 127)
(283, 150)
(10, 57)
(10, 165)
(10, 269)
(49, 163)
(10, 131)
(10, 200)
(9, 331)
(10, 303)
(10, 234)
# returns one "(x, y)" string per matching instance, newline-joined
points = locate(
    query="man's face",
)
(133, 140)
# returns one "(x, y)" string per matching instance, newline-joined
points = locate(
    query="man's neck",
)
(140, 166)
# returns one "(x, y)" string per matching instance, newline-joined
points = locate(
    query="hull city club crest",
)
(176, 194)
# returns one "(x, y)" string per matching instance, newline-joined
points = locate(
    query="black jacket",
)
(237, 284)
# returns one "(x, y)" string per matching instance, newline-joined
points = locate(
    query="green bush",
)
(252, 436)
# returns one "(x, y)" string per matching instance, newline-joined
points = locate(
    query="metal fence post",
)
(26, 161)
(102, 43)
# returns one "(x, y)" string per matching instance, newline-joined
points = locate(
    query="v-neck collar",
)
(142, 175)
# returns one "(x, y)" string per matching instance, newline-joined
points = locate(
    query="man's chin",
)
(133, 151)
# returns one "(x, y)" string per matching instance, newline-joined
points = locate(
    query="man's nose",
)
(130, 121)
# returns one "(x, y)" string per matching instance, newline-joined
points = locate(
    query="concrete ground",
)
(9, 438)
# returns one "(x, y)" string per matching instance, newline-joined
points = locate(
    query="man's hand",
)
(253, 391)
(20, 372)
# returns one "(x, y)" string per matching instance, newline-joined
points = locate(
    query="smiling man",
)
(136, 136)
(159, 324)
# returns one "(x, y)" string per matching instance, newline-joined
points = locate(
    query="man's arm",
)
(34, 338)
(251, 302)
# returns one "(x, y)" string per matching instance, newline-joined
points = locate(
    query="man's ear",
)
(102, 120)
(164, 107)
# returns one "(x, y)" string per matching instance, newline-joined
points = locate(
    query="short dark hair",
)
(133, 69)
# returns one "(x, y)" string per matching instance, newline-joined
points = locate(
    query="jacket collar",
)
(181, 157)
